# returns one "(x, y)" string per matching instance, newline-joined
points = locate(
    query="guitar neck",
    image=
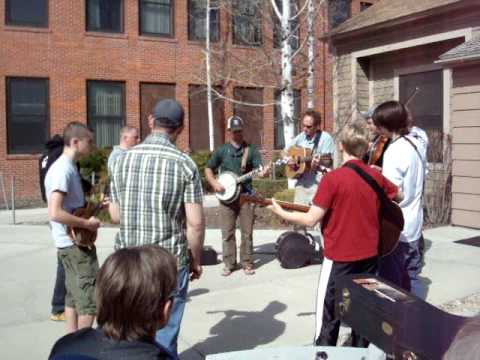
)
(284, 204)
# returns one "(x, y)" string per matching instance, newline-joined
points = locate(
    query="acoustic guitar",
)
(81, 236)
(300, 161)
(389, 229)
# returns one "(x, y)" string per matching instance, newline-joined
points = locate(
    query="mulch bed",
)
(264, 219)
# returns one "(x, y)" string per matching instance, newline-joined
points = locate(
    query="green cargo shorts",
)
(81, 267)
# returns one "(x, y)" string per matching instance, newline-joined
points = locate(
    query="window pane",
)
(251, 115)
(106, 114)
(247, 22)
(198, 118)
(338, 12)
(197, 18)
(426, 107)
(104, 15)
(156, 17)
(150, 94)
(27, 12)
(279, 137)
(27, 115)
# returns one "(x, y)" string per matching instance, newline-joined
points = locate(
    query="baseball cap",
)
(169, 113)
(369, 113)
(235, 123)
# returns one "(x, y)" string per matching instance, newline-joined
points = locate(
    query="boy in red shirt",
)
(348, 210)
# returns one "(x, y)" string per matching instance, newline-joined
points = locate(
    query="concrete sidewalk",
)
(273, 308)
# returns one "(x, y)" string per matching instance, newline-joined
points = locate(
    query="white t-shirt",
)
(63, 176)
(403, 166)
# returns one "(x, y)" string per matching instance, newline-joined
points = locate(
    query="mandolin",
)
(81, 236)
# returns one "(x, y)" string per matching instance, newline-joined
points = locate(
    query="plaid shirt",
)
(151, 184)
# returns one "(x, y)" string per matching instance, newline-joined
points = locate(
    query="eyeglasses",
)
(307, 126)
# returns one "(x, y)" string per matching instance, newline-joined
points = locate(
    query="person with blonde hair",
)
(347, 208)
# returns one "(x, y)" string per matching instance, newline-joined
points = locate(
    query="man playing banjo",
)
(237, 157)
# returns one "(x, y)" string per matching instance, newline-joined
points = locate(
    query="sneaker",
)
(58, 317)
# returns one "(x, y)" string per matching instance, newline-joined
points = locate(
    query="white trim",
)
(321, 293)
(371, 85)
(447, 97)
(465, 33)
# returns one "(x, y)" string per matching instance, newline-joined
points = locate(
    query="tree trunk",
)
(211, 136)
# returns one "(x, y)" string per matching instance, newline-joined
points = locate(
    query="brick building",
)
(106, 62)
(428, 48)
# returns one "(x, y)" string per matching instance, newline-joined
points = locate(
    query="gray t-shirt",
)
(112, 159)
(63, 176)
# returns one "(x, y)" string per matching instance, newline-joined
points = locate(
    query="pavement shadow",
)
(426, 282)
(240, 330)
(196, 292)
(263, 254)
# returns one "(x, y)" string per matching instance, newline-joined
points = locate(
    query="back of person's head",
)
(466, 344)
(393, 116)
(168, 114)
(134, 290)
(76, 130)
(354, 139)
(315, 115)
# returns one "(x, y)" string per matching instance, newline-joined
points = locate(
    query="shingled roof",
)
(467, 50)
(387, 11)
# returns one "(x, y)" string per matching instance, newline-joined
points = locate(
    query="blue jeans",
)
(59, 291)
(168, 335)
(403, 266)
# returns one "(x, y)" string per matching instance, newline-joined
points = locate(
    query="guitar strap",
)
(318, 135)
(370, 181)
(243, 164)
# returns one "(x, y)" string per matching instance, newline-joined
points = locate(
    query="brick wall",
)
(69, 56)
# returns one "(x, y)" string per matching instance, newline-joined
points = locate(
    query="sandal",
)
(226, 272)
(248, 270)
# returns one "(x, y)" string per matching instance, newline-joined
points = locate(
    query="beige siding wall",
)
(466, 146)
(362, 84)
(345, 89)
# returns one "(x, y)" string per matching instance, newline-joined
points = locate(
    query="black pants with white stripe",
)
(327, 322)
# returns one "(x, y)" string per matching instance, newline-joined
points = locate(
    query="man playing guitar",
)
(321, 143)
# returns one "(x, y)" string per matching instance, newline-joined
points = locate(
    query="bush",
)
(285, 195)
(267, 188)
(96, 163)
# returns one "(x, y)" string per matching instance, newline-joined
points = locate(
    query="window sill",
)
(100, 34)
(158, 39)
(23, 28)
(247, 47)
(23, 156)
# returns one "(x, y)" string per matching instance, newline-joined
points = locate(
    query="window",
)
(198, 118)
(105, 15)
(27, 13)
(426, 107)
(106, 110)
(294, 39)
(251, 115)
(338, 12)
(279, 138)
(27, 115)
(364, 5)
(156, 17)
(150, 94)
(197, 18)
(247, 22)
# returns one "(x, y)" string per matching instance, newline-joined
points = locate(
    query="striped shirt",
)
(151, 184)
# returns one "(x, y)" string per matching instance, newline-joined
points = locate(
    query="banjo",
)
(232, 182)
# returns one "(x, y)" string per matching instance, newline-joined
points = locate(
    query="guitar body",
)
(80, 236)
(391, 226)
(229, 181)
(298, 155)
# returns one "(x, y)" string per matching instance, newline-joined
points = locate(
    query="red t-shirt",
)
(351, 226)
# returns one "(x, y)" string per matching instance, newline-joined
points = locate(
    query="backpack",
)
(295, 250)
(54, 148)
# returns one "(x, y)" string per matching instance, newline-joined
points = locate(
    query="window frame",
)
(8, 105)
(124, 100)
(172, 21)
(212, 39)
(122, 21)
(10, 22)
(238, 42)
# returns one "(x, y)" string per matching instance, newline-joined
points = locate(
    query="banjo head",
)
(229, 182)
